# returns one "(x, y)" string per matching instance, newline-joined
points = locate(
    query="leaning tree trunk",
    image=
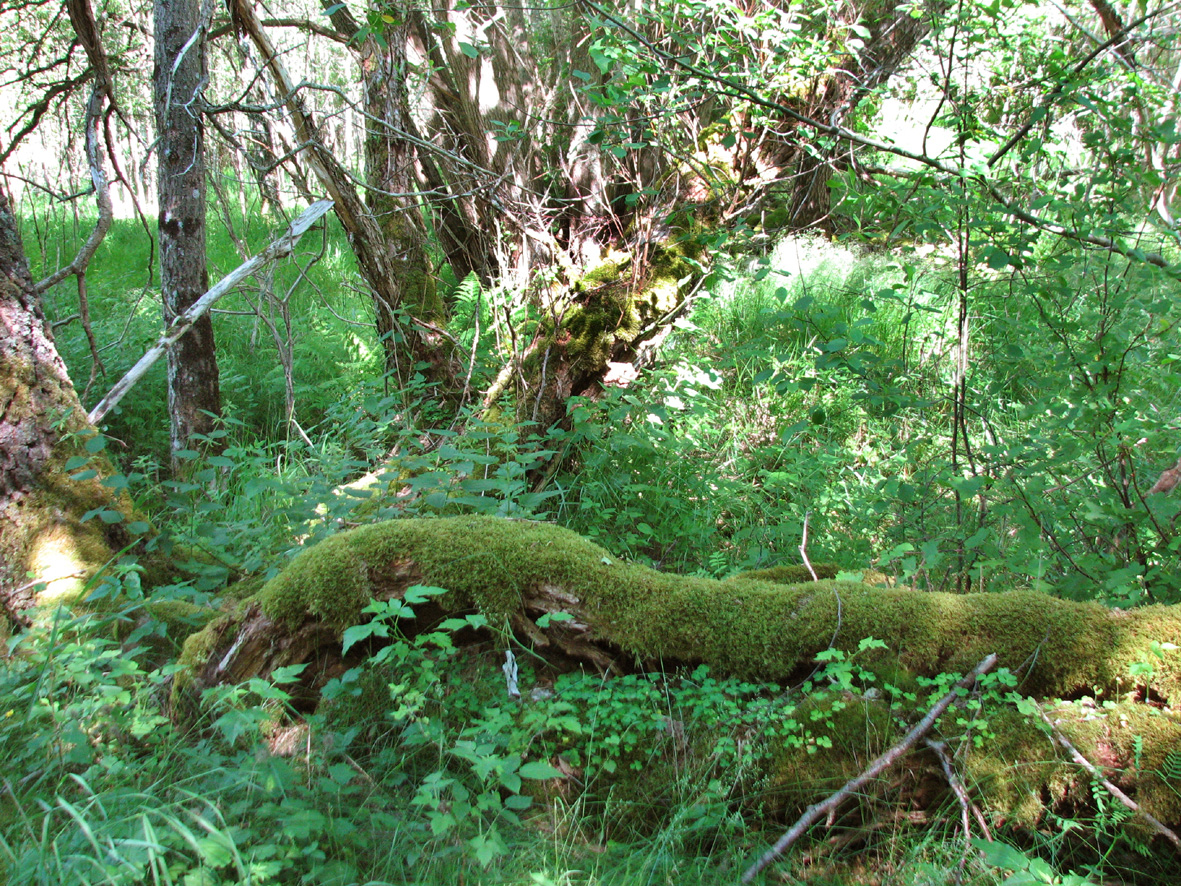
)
(194, 393)
(47, 551)
(415, 344)
(894, 32)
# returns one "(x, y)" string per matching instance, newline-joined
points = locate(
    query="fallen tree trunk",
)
(625, 617)
(624, 614)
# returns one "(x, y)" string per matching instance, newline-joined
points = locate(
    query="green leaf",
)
(357, 633)
(95, 444)
(1001, 855)
(422, 593)
(997, 259)
(978, 538)
(214, 850)
(105, 514)
(1023, 878)
(287, 674)
(539, 769)
(469, 50)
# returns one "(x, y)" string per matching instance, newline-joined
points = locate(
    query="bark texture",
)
(412, 343)
(194, 393)
(46, 552)
(389, 168)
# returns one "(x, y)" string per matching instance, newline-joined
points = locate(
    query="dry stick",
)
(184, 322)
(1156, 825)
(813, 813)
(804, 548)
(967, 807)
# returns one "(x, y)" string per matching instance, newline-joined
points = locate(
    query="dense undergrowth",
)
(822, 397)
(421, 768)
(824, 386)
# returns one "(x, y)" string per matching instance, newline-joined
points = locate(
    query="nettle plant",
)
(468, 757)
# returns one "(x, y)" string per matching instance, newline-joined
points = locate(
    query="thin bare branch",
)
(815, 812)
(1127, 801)
(183, 322)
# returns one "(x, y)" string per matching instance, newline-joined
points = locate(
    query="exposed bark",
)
(46, 552)
(194, 393)
(390, 193)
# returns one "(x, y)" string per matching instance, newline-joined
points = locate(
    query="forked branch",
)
(815, 812)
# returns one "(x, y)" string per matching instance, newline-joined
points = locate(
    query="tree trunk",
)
(47, 552)
(389, 172)
(194, 394)
(767, 625)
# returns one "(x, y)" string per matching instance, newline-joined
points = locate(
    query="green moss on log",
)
(744, 626)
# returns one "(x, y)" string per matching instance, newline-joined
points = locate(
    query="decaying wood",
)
(758, 626)
(767, 625)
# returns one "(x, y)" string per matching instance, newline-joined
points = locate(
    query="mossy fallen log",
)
(624, 613)
(1117, 666)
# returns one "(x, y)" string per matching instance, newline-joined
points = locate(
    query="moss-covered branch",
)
(757, 625)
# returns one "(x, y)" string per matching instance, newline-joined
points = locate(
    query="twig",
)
(967, 807)
(813, 813)
(1156, 825)
(804, 547)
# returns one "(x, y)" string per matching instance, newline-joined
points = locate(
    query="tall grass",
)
(309, 303)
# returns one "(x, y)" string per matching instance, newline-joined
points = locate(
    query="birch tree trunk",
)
(194, 393)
